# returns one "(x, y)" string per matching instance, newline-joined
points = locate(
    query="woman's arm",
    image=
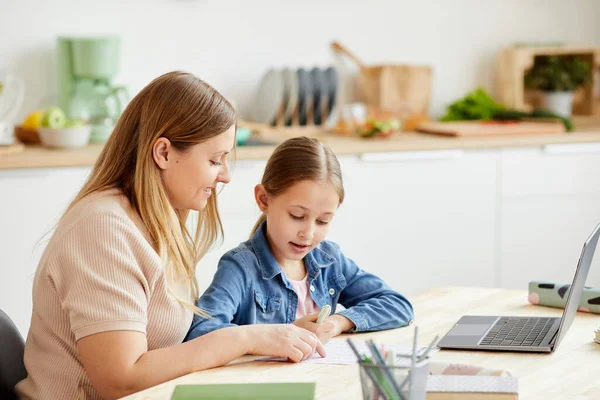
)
(119, 363)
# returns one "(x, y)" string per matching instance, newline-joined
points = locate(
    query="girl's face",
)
(190, 177)
(298, 219)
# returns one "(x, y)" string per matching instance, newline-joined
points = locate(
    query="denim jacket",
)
(250, 287)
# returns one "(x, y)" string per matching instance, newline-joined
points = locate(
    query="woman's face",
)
(191, 177)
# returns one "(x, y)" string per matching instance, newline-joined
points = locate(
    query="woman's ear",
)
(161, 151)
(261, 197)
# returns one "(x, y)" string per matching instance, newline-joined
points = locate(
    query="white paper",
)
(339, 352)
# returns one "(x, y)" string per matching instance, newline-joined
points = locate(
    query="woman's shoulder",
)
(111, 201)
(96, 229)
(99, 213)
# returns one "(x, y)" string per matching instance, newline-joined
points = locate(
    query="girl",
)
(114, 292)
(286, 272)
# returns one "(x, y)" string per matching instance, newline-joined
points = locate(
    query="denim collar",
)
(271, 268)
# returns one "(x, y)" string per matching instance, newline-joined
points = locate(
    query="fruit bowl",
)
(71, 137)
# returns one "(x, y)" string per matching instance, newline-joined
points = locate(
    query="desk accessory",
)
(552, 294)
(246, 391)
(381, 378)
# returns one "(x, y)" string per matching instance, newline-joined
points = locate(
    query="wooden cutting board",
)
(491, 128)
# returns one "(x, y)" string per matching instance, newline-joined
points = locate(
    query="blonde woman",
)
(114, 293)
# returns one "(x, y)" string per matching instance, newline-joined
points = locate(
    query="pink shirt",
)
(306, 304)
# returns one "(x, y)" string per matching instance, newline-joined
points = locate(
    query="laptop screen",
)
(576, 290)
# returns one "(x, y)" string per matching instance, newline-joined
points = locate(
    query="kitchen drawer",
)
(551, 169)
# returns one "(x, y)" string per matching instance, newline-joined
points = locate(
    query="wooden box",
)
(514, 62)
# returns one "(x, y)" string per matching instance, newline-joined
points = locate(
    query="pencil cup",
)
(408, 383)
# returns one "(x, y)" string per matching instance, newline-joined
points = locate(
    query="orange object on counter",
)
(413, 121)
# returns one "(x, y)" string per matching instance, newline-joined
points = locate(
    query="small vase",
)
(560, 103)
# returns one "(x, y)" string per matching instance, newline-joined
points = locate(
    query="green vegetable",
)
(515, 115)
(474, 106)
(509, 115)
(549, 114)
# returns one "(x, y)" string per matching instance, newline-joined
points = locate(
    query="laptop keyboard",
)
(518, 332)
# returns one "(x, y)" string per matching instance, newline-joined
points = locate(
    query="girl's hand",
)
(324, 331)
(282, 340)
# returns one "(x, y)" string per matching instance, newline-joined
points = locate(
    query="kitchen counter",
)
(40, 157)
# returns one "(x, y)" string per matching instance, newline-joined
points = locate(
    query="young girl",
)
(287, 270)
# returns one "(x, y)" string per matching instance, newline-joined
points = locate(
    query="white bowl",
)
(71, 137)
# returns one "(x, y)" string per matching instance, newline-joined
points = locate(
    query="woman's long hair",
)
(184, 109)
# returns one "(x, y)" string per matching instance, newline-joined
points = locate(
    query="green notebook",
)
(246, 391)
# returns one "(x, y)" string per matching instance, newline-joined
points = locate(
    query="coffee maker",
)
(86, 67)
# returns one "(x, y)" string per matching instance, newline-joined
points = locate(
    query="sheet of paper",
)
(339, 352)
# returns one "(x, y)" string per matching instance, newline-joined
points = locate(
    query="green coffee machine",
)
(86, 66)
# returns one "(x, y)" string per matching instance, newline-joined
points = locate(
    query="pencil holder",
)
(394, 382)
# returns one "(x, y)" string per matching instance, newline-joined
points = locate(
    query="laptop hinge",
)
(551, 342)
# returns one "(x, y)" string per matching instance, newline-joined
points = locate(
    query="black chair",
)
(12, 367)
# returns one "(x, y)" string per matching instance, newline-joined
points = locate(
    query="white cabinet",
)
(550, 205)
(421, 219)
(32, 201)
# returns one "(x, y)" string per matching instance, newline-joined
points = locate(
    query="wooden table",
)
(571, 372)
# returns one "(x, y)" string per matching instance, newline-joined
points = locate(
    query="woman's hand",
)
(324, 331)
(330, 327)
(119, 363)
(283, 340)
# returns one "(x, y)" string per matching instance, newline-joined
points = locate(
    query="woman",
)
(114, 293)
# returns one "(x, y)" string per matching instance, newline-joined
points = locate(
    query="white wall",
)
(231, 43)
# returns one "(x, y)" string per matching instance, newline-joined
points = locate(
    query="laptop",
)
(527, 334)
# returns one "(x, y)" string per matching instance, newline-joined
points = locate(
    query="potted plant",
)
(558, 76)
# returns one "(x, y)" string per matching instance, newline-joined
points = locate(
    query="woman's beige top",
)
(98, 273)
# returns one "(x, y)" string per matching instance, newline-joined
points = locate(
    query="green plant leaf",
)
(558, 73)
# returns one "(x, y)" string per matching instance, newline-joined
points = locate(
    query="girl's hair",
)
(187, 111)
(299, 159)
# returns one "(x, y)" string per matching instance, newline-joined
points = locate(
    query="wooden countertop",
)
(41, 157)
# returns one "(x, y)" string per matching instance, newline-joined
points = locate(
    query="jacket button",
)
(312, 288)
(331, 291)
